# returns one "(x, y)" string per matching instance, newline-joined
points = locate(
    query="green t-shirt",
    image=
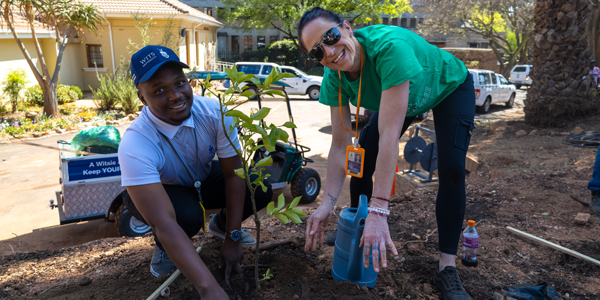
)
(392, 56)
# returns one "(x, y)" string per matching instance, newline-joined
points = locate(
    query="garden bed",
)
(535, 178)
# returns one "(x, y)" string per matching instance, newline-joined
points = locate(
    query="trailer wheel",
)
(128, 225)
(306, 183)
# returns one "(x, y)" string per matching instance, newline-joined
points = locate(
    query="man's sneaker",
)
(595, 202)
(161, 263)
(247, 240)
(330, 239)
(448, 282)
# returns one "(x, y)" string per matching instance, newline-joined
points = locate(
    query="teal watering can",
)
(348, 256)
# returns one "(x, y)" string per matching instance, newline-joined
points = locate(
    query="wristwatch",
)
(234, 235)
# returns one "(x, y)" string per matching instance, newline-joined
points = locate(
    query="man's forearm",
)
(182, 253)
(235, 195)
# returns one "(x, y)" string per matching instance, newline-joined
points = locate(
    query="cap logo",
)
(163, 53)
(150, 57)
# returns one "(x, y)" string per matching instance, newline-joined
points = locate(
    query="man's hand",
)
(231, 255)
(376, 236)
(315, 226)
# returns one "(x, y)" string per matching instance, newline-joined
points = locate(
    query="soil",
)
(526, 182)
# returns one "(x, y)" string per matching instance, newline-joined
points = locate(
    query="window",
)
(290, 71)
(94, 56)
(267, 70)
(413, 22)
(519, 69)
(247, 42)
(273, 38)
(394, 21)
(385, 21)
(403, 22)
(494, 81)
(249, 69)
(484, 45)
(473, 45)
(484, 78)
(208, 11)
(502, 80)
(260, 41)
(235, 43)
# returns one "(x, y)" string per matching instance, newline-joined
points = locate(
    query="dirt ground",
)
(526, 182)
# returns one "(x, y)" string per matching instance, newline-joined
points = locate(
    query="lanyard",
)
(197, 182)
(362, 62)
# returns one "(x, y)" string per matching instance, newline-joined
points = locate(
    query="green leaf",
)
(299, 212)
(238, 114)
(256, 81)
(277, 92)
(282, 218)
(289, 125)
(267, 161)
(268, 81)
(283, 135)
(292, 216)
(240, 172)
(280, 201)
(270, 207)
(248, 93)
(258, 129)
(264, 187)
(272, 138)
(295, 202)
(261, 114)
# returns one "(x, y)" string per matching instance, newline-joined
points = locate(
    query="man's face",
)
(168, 94)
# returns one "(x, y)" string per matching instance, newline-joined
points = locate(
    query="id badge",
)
(355, 161)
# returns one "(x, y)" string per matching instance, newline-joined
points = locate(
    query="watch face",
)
(236, 235)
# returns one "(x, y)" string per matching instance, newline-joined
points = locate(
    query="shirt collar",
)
(169, 130)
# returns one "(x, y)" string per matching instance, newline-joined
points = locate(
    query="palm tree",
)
(67, 18)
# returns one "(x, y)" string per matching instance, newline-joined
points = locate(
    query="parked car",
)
(491, 88)
(519, 75)
(301, 84)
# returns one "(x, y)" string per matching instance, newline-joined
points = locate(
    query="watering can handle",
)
(355, 257)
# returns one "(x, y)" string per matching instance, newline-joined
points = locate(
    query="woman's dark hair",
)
(313, 14)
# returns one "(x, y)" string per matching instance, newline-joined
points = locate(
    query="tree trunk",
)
(560, 60)
(50, 100)
(593, 29)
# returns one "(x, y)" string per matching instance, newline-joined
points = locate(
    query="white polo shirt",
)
(145, 157)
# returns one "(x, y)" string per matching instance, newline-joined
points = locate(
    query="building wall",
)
(12, 58)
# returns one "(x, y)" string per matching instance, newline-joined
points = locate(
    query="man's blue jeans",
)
(594, 184)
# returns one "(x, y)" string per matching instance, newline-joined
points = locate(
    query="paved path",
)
(29, 177)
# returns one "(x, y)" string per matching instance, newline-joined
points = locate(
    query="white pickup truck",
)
(301, 84)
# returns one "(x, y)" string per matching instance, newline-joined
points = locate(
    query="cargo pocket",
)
(464, 130)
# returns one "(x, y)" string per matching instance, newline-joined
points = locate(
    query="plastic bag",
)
(107, 136)
(529, 291)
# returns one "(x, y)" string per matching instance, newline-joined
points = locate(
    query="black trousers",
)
(453, 119)
(187, 208)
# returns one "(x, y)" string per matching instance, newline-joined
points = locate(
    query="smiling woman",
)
(399, 75)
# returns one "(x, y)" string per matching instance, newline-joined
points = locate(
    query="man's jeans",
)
(594, 184)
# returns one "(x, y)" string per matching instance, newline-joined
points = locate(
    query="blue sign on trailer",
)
(94, 168)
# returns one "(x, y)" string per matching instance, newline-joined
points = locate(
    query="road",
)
(29, 177)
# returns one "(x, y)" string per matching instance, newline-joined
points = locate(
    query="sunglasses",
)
(331, 37)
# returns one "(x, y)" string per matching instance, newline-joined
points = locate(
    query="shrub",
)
(116, 89)
(13, 85)
(34, 96)
(77, 90)
(87, 115)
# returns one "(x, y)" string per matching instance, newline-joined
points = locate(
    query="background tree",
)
(284, 15)
(15, 82)
(507, 24)
(593, 29)
(561, 58)
(67, 18)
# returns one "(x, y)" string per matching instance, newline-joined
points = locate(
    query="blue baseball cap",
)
(147, 60)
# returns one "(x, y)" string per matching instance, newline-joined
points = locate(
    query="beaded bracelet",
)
(379, 211)
(381, 198)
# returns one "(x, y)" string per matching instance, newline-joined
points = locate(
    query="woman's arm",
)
(341, 138)
(392, 111)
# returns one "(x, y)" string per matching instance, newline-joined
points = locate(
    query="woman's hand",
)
(375, 236)
(315, 226)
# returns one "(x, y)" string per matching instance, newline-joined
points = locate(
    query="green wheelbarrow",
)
(289, 160)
